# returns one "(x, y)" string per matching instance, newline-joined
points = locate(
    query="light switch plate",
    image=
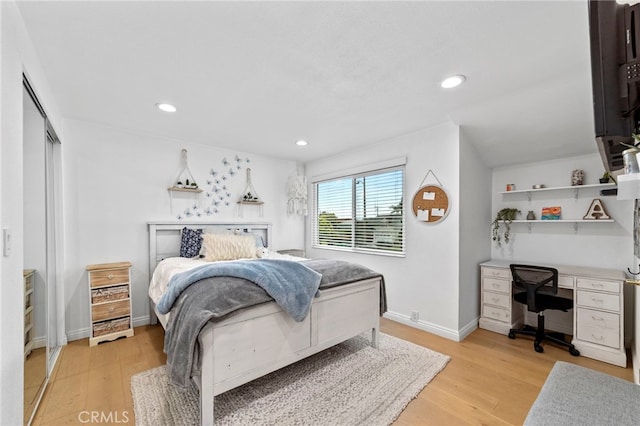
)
(6, 242)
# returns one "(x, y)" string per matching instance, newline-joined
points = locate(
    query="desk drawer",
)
(496, 273)
(565, 281)
(495, 313)
(492, 284)
(601, 285)
(498, 299)
(592, 299)
(600, 336)
(598, 319)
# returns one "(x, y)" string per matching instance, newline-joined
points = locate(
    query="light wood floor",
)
(490, 380)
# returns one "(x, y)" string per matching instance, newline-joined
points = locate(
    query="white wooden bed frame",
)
(260, 340)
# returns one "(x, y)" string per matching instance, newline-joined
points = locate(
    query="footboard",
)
(263, 339)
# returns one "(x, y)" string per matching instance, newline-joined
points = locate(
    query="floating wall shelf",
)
(575, 188)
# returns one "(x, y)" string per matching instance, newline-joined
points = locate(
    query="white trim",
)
(447, 333)
(363, 168)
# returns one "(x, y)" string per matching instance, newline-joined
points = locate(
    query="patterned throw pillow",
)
(228, 247)
(191, 242)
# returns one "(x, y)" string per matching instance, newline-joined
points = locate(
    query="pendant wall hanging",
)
(431, 202)
(184, 182)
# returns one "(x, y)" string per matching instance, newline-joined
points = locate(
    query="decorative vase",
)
(531, 215)
(577, 176)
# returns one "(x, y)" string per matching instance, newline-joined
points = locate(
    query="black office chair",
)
(537, 287)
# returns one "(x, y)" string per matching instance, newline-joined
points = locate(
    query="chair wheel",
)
(538, 348)
(574, 352)
(512, 335)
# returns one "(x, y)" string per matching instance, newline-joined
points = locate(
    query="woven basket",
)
(110, 293)
(112, 326)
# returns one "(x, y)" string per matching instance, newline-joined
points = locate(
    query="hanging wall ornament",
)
(250, 194)
(431, 202)
(184, 179)
(297, 193)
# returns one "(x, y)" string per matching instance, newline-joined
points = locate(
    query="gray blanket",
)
(213, 299)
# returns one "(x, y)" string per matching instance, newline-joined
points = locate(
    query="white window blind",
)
(361, 212)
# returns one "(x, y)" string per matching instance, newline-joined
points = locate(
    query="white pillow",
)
(228, 247)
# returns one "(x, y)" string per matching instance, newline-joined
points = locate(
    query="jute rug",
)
(349, 384)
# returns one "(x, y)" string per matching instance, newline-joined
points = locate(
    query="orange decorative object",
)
(551, 213)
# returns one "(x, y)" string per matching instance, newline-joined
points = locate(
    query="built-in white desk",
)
(598, 313)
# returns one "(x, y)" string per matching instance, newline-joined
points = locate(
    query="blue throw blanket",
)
(291, 284)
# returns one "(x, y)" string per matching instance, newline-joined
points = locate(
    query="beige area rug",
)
(349, 384)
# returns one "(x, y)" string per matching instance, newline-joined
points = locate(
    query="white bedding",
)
(168, 267)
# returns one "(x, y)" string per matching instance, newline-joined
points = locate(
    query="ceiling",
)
(258, 76)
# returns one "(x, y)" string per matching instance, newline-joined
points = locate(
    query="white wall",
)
(475, 217)
(18, 56)
(596, 245)
(116, 181)
(427, 279)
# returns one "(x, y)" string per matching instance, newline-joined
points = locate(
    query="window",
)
(362, 212)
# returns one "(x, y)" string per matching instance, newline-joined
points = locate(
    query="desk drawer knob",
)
(110, 276)
(597, 318)
(111, 309)
(495, 300)
(593, 299)
(601, 337)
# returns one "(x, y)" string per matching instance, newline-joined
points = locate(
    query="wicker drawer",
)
(109, 277)
(496, 273)
(497, 299)
(495, 313)
(110, 310)
(491, 284)
(108, 294)
(600, 285)
(592, 299)
(112, 326)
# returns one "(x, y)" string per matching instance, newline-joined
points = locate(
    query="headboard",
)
(164, 236)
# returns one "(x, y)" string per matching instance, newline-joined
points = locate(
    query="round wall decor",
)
(430, 203)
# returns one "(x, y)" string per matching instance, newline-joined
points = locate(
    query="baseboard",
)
(140, 321)
(455, 335)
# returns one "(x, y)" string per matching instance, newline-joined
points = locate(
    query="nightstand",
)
(109, 301)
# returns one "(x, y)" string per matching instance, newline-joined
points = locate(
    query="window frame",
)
(353, 175)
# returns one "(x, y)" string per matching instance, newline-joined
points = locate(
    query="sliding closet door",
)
(35, 254)
(42, 246)
(53, 244)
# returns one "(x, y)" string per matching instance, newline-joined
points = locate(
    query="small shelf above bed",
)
(182, 189)
(250, 203)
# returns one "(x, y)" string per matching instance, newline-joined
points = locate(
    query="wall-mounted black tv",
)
(614, 31)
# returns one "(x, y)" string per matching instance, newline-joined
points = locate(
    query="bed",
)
(257, 340)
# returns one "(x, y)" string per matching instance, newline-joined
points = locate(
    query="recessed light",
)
(166, 107)
(453, 81)
(301, 143)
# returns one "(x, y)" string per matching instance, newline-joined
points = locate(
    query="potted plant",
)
(506, 216)
(605, 177)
